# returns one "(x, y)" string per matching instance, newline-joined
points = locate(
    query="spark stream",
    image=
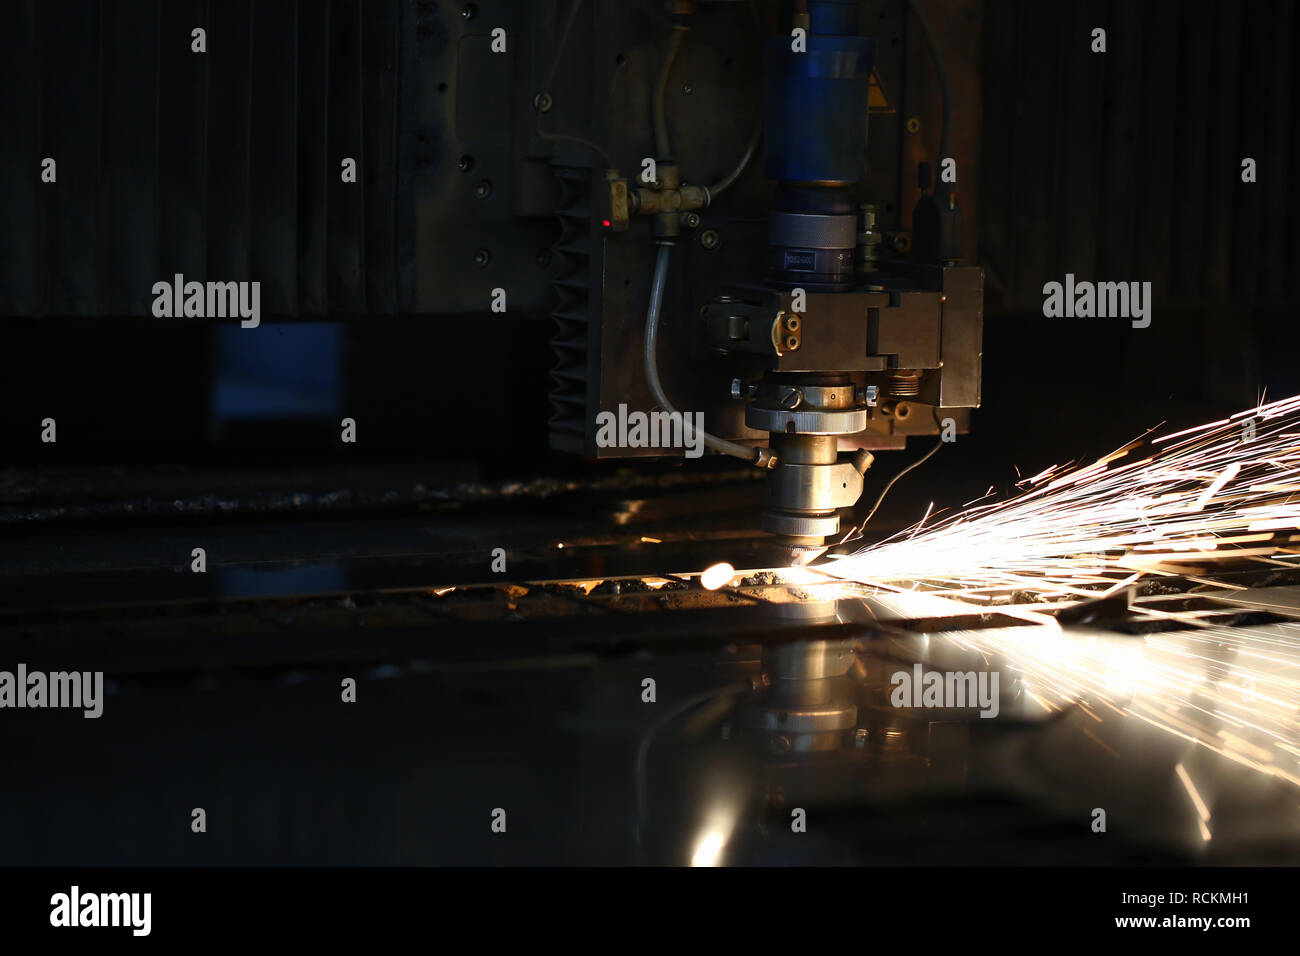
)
(1174, 505)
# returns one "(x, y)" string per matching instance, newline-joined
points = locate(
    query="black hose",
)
(662, 149)
(726, 181)
(853, 535)
(546, 91)
(942, 70)
(755, 136)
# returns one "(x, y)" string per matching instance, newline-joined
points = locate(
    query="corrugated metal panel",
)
(1127, 165)
(225, 165)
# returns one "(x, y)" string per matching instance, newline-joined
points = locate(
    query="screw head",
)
(690, 220)
(790, 398)
(913, 124)
(544, 258)
(466, 163)
(901, 242)
(483, 189)
(468, 11)
(709, 239)
(688, 89)
(482, 258)
(542, 102)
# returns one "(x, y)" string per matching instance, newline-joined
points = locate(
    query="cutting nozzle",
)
(799, 556)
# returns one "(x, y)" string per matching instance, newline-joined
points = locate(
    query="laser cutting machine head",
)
(836, 343)
(835, 289)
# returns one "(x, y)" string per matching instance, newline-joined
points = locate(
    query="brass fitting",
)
(614, 201)
(667, 200)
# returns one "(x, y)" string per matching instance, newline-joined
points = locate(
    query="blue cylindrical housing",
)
(817, 102)
(816, 108)
(833, 17)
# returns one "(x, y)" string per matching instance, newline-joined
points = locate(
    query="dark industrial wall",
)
(1127, 165)
(225, 165)
(1123, 165)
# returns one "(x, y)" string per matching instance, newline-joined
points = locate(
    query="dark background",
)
(1123, 166)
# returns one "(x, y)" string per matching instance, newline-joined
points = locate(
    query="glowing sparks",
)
(1196, 502)
(1201, 809)
(1078, 528)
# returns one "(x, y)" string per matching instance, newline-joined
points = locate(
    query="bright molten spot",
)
(717, 576)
